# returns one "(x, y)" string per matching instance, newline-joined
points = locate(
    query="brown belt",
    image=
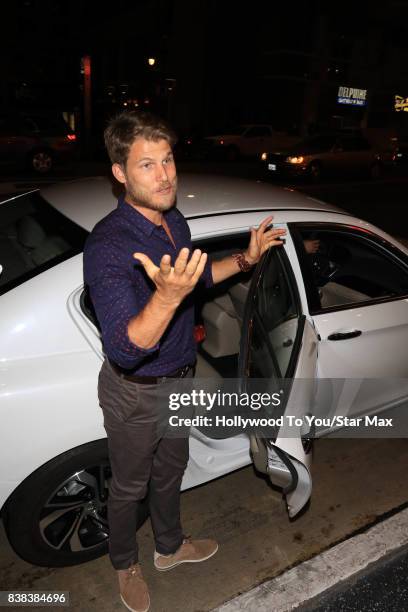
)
(151, 380)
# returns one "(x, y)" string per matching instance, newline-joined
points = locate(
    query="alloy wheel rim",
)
(42, 162)
(74, 517)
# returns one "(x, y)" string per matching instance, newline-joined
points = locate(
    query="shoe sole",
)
(132, 609)
(169, 567)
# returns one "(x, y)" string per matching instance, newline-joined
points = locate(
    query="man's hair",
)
(122, 131)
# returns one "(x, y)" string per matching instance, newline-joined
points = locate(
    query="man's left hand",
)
(261, 240)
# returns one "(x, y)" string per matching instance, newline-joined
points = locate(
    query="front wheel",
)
(232, 153)
(57, 516)
(315, 171)
(41, 161)
(376, 171)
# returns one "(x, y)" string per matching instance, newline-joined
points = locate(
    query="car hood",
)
(292, 151)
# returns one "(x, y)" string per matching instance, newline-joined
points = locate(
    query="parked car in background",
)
(395, 159)
(341, 313)
(36, 140)
(247, 140)
(324, 155)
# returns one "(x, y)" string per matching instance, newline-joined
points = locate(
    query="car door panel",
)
(264, 353)
(379, 352)
(357, 296)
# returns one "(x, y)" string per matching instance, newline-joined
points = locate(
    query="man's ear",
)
(118, 173)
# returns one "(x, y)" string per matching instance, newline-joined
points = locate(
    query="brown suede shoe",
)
(133, 589)
(191, 551)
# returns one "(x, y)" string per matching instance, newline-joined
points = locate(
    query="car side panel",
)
(48, 376)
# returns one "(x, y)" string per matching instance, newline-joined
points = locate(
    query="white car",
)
(340, 313)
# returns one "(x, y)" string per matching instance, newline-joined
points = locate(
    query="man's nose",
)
(162, 173)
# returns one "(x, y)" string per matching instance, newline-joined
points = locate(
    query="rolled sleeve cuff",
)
(124, 352)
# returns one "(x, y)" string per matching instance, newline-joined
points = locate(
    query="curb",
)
(315, 576)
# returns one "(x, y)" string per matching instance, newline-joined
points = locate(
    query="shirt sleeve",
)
(207, 277)
(114, 295)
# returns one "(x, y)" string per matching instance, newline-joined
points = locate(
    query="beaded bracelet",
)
(243, 264)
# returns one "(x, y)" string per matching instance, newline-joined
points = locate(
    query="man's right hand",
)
(174, 283)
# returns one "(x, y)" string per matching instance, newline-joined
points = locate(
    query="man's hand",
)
(174, 283)
(311, 246)
(261, 240)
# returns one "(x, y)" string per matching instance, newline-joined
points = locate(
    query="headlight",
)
(264, 156)
(295, 160)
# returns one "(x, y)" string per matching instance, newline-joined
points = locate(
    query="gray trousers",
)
(143, 459)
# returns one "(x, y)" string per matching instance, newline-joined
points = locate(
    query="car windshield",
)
(315, 144)
(34, 236)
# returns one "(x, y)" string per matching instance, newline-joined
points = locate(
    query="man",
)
(140, 275)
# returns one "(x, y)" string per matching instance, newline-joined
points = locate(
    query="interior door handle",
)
(345, 335)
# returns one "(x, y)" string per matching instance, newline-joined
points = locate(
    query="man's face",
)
(150, 176)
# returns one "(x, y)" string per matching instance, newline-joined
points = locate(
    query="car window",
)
(317, 144)
(28, 125)
(33, 237)
(9, 125)
(257, 132)
(274, 321)
(50, 124)
(349, 267)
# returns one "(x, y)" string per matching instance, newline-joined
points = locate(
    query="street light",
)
(151, 61)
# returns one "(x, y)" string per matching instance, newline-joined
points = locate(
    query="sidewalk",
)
(352, 576)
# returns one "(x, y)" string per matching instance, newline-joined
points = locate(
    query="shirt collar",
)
(140, 220)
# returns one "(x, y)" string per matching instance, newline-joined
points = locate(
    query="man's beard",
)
(140, 197)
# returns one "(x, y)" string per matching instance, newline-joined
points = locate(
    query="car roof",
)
(86, 201)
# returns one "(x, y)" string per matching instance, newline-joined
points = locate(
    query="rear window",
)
(52, 124)
(34, 236)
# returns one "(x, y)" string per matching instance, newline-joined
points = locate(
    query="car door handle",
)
(345, 335)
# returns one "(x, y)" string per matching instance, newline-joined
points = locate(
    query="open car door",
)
(278, 352)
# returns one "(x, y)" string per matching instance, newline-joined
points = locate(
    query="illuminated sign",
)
(401, 104)
(350, 95)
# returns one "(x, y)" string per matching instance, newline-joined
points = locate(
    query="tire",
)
(232, 154)
(80, 478)
(315, 171)
(376, 171)
(41, 161)
(58, 516)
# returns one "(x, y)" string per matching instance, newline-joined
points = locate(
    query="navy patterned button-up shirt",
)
(120, 288)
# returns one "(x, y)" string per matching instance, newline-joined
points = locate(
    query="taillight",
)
(71, 136)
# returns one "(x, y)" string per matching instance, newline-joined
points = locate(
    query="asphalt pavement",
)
(383, 587)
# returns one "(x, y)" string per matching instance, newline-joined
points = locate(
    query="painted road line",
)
(312, 578)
